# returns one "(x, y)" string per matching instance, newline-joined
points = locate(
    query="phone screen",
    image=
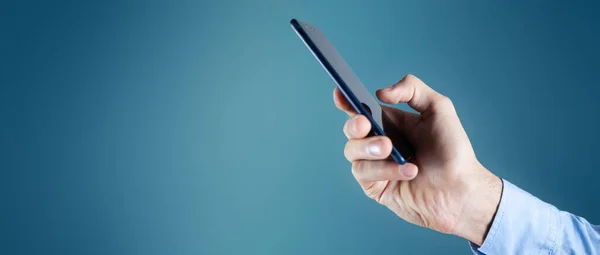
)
(353, 88)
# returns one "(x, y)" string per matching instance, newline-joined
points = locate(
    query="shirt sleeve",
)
(525, 224)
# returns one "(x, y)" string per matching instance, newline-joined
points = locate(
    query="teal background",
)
(132, 127)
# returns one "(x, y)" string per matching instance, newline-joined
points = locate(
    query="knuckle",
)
(446, 100)
(406, 80)
(443, 103)
(410, 77)
(356, 168)
(345, 129)
(348, 151)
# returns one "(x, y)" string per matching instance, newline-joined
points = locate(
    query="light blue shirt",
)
(526, 225)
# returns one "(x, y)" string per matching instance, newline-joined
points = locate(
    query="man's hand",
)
(444, 188)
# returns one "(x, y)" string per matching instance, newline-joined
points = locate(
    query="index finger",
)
(342, 103)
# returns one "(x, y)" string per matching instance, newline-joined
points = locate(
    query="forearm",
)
(480, 207)
(524, 224)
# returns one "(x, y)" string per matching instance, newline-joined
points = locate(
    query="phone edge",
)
(354, 102)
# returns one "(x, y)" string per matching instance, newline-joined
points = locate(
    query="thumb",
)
(416, 93)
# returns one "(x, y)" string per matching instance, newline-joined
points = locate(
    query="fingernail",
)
(374, 148)
(408, 171)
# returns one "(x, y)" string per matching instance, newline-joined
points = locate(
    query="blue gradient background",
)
(208, 128)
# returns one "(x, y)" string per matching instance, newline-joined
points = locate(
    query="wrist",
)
(480, 206)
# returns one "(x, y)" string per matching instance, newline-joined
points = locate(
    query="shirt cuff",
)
(523, 225)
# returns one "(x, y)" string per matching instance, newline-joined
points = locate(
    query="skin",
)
(445, 187)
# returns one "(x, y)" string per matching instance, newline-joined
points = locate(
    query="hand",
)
(444, 187)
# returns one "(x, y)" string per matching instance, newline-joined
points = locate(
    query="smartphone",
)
(352, 88)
